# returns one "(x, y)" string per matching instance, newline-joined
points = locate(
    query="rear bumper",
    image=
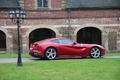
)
(35, 54)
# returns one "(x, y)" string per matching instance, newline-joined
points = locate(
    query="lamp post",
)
(18, 17)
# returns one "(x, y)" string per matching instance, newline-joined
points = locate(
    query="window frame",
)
(38, 7)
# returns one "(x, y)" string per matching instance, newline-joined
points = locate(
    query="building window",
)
(42, 3)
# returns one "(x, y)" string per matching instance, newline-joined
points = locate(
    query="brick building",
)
(84, 21)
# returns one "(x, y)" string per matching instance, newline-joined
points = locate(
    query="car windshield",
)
(65, 41)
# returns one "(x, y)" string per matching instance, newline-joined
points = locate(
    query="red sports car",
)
(61, 47)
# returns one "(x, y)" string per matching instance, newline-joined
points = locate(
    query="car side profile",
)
(63, 47)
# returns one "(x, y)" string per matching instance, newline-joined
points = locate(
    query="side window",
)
(55, 41)
(64, 41)
(42, 3)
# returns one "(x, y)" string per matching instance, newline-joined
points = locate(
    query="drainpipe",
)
(69, 24)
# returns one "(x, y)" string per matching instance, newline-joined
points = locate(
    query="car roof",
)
(49, 39)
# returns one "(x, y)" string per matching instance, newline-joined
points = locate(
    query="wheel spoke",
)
(48, 54)
(97, 50)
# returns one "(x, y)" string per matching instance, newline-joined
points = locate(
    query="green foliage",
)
(69, 69)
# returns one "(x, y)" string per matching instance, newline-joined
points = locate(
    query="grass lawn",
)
(69, 69)
(14, 56)
(112, 54)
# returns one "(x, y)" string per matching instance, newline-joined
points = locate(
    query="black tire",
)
(50, 53)
(42, 58)
(95, 52)
(83, 57)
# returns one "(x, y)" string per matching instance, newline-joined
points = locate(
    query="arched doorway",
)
(89, 35)
(2, 41)
(40, 34)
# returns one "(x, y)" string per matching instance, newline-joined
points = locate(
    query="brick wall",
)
(57, 17)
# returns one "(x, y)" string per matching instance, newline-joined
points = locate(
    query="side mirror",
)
(74, 43)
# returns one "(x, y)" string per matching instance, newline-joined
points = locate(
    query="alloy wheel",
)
(50, 53)
(95, 52)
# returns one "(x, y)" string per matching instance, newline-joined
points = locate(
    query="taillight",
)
(33, 46)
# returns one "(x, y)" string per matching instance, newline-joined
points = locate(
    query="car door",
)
(68, 47)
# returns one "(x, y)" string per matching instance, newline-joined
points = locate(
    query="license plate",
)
(35, 53)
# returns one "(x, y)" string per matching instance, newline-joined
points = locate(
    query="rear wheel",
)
(50, 53)
(95, 52)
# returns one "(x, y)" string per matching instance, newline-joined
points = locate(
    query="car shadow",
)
(63, 58)
(72, 58)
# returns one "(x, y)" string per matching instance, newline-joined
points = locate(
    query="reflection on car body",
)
(60, 47)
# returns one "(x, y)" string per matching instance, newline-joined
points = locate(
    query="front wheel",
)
(50, 53)
(95, 52)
